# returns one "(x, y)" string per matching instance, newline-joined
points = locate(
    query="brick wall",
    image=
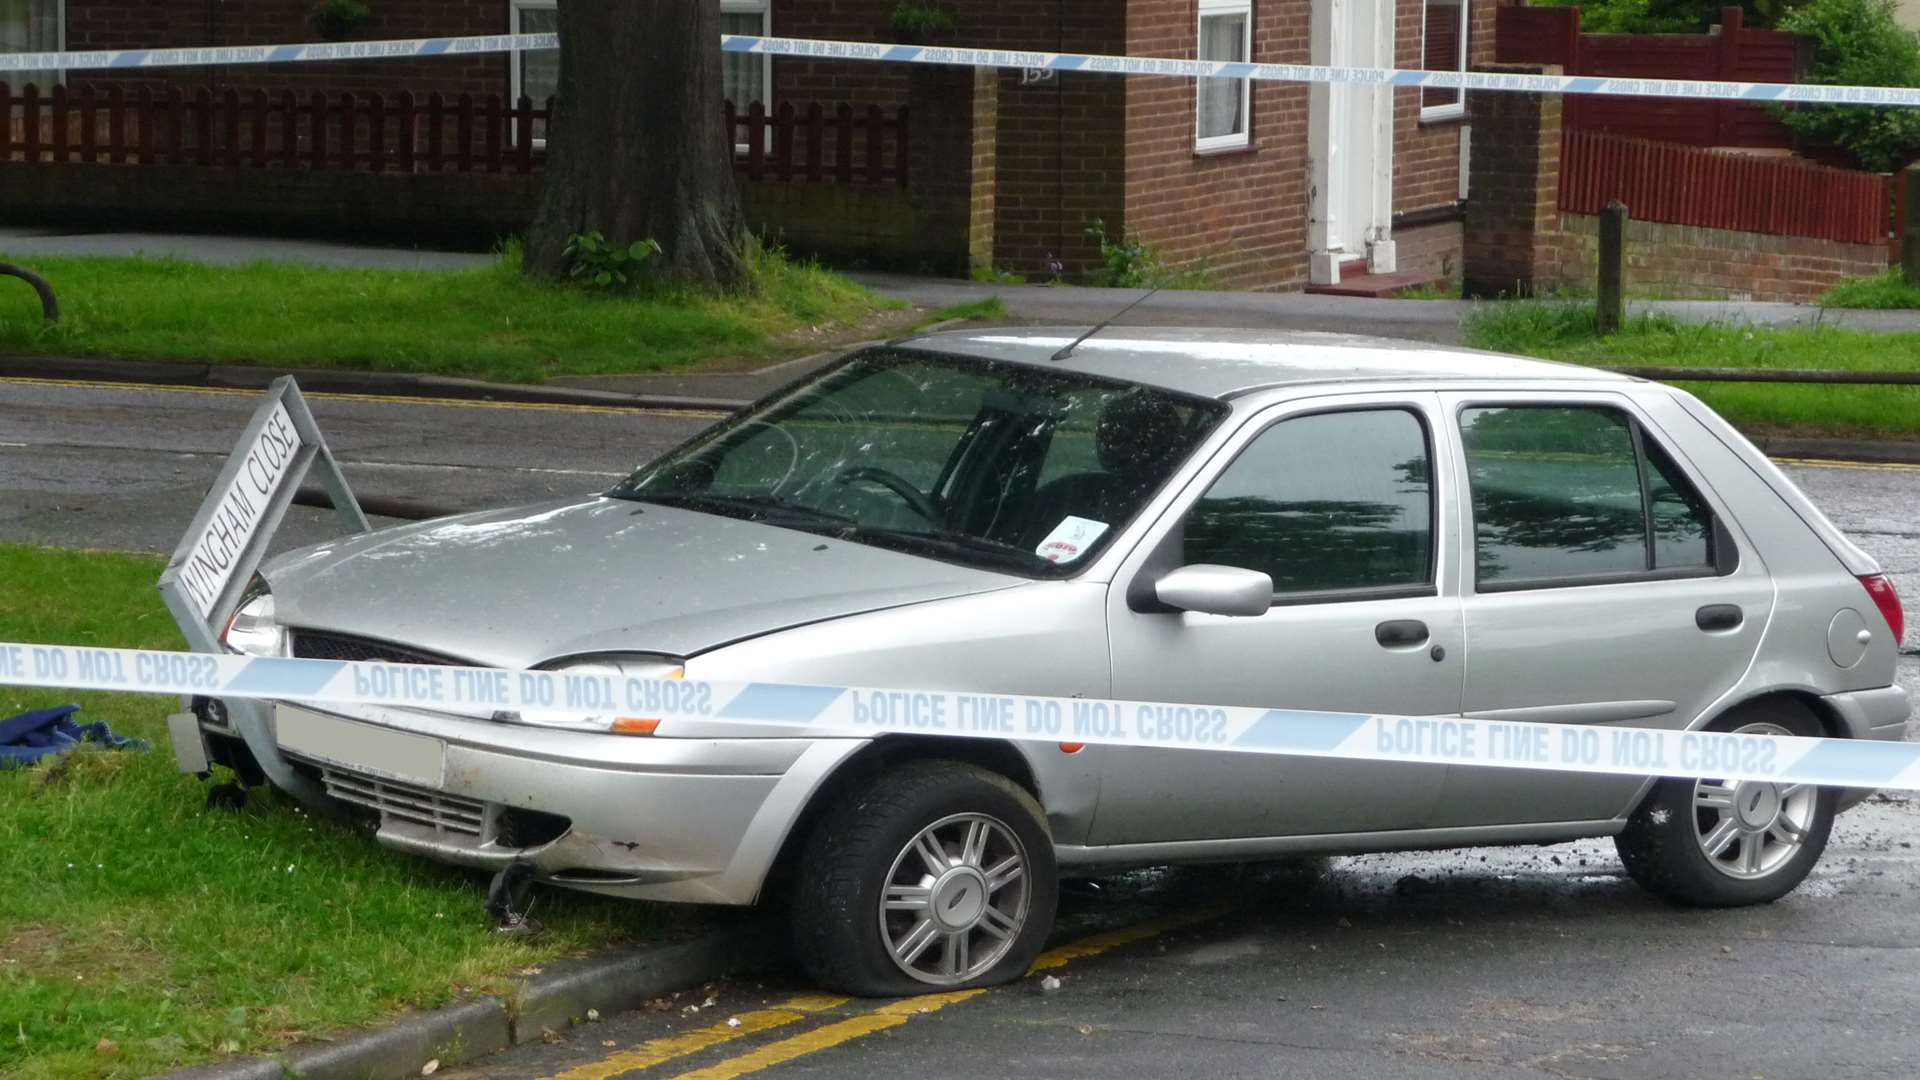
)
(1056, 159)
(1432, 249)
(1426, 156)
(1688, 262)
(124, 24)
(1241, 213)
(1513, 194)
(1518, 241)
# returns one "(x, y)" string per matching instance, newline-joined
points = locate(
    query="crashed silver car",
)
(1279, 520)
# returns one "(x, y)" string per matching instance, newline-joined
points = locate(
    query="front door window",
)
(1324, 504)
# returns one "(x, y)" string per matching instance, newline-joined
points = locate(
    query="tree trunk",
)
(636, 148)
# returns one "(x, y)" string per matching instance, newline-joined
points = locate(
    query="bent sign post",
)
(227, 540)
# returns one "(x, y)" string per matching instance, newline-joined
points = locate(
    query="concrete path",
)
(1421, 320)
(23, 243)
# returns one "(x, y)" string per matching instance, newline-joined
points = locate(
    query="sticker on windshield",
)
(1070, 539)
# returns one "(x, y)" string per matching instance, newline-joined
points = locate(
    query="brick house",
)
(1268, 185)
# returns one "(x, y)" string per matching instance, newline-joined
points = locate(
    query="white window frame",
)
(1453, 109)
(764, 9)
(514, 9)
(1244, 137)
(18, 79)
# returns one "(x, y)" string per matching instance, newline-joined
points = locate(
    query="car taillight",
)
(1888, 602)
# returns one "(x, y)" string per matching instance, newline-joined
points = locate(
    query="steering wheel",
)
(918, 501)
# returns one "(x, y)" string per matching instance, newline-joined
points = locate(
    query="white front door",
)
(1350, 127)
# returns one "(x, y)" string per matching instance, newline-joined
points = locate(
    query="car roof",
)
(1221, 363)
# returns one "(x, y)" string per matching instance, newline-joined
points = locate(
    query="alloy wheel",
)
(955, 899)
(1749, 828)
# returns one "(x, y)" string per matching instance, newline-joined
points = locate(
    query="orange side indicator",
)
(633, 725)
(1072, 747)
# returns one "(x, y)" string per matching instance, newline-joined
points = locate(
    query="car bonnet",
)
(523, 586)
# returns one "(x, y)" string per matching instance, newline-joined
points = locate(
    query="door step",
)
(1376, 285)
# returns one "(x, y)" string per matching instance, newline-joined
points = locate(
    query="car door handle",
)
(1400, 633)
(1719, 617)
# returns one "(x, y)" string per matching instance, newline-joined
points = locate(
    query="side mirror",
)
(1216, 590)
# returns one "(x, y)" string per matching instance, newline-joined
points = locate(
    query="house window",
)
(746, 77)
(28, 26)
(1224, 104)
(1444, 48)
(536, 74)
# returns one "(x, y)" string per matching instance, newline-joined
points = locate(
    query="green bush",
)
(1858, 43)
(1127, 262)
(1641, 16)
(594, 262)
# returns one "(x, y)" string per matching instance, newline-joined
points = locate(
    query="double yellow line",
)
(856, 1026)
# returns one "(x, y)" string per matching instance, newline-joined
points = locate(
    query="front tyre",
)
(1719, 843)
(936, 875)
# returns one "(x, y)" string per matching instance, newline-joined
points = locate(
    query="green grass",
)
(1444, 289)
(487, 322)
(1886, 292)
(992, 309)
(1565, 331)
(175, 934)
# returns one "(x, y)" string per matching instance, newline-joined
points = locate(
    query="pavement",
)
(1419, 320)
(22, 243)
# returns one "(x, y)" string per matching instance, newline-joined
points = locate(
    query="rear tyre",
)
(935, 875)
(1715, 843)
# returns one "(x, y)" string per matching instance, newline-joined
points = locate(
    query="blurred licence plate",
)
(396, 755)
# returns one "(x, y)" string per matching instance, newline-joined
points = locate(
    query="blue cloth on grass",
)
(27, 738)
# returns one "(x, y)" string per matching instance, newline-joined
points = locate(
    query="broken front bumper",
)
(698, 820)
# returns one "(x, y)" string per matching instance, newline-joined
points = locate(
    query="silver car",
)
(1293, 520)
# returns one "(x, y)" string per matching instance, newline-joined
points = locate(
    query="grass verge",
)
(1565, 331)
(1887, 292)
(992, 309)
(140, 932)
(487, 323)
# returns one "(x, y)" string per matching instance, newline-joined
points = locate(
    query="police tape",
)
(994, 58)
(869, 712)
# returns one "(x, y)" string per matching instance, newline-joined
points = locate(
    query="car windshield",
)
(999, 466)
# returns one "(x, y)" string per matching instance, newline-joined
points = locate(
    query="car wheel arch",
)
(1805, 699)
(994, 755)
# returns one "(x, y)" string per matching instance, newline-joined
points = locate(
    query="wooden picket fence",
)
(402, 133)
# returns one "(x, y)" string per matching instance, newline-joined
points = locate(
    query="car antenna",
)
(1067, 352)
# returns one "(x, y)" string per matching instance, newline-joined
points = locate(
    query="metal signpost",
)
(228, 539)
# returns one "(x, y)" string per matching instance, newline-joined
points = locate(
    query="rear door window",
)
(1570, 494)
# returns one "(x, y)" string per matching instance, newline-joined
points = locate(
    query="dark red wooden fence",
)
(791, 144)
(1685, 185)
(1551, 35)
(401, 133)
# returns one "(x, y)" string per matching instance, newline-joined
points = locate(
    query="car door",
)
(1339, 499)
(1606, 585)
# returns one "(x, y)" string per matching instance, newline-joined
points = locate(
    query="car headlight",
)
(611, 720)
(252, 630)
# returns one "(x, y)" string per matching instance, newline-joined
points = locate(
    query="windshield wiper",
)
(1005, 556)
(764, 508)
